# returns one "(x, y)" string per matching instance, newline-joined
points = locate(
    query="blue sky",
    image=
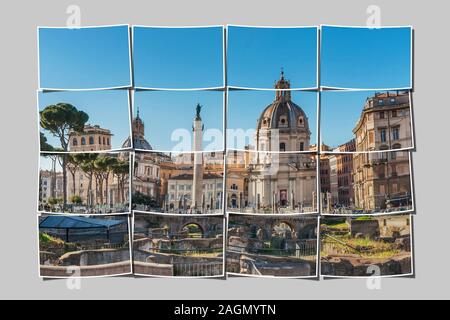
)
(46, 164)
(165, 111)
(106, 108)
(245, 107)
(256, 56)
(366, 58)
(84, 58)
(340, 110)
(178, 57)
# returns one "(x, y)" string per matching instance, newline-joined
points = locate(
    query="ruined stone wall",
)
(347, 266)
(94, 257)
(123, 267)
(365, 228)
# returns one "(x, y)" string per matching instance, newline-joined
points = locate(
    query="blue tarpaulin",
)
(64, 222)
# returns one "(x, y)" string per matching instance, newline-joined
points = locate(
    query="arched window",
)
(91, 140)
(99, 140)
(302, 146)
(282, 147)
(107, 141)
(83, 141)
(283, 121)
(75, 141)
(300, 121)
(397, 146)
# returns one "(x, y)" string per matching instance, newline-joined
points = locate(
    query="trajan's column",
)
(197, 191)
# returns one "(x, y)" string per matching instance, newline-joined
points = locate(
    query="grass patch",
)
(201, 254)
(363, 247)
(364, 218)
(338, 226)
(47, 239)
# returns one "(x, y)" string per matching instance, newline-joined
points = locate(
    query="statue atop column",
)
(198, 109)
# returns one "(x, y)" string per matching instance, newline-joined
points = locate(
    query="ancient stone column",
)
(197, 186)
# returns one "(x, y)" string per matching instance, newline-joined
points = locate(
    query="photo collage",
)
(225, 151)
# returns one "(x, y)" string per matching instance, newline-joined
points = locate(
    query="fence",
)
(59, 251)
(103, 246)
(188, 251)
(302, 249)
(200, 269)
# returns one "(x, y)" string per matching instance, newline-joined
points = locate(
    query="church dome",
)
(282, 113)
(139, 141)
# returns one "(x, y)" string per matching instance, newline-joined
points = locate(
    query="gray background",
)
(18, 182)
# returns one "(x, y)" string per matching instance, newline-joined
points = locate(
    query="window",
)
(383, 135)
(392, 100)
(104, 140)
(283, 121)
(282, 147)
(99, 140)
(380, 102)
(397, 146)
(107, 141)
(382, 115)
(75, 141)
(83, 141)
(394, 113)
(396, 133)
(213, 154)
(302, 146)
(300, 120)
(91, 140)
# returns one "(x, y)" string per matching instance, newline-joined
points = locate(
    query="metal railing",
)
(200, 269)
(302, 249)
(187, 251)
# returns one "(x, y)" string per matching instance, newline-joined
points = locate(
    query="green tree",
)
(121, 171)
(60, 119)
(87, 165)
(52, 201)
(73, 164)
(76, 199)
(104, 165)
(43, 143)
(140, 198)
